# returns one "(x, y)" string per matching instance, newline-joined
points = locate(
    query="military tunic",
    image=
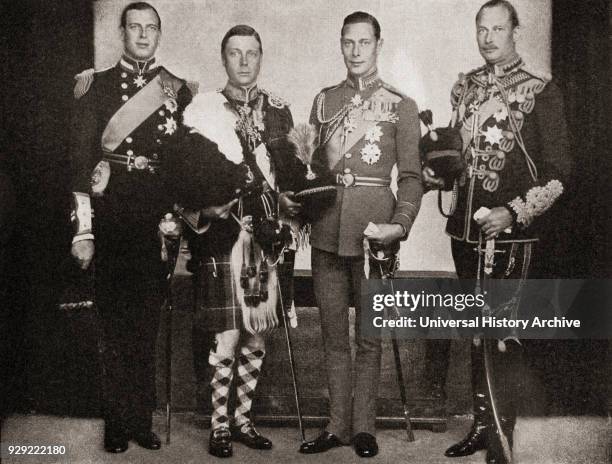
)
(365, 129)
(517, 152)
(126, 121)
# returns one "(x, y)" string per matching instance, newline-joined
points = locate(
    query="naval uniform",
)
(126, 122)
(365, 128)
(517, 154)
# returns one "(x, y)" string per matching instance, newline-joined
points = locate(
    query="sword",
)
(296, 391)
(489, 257)
(396, 353)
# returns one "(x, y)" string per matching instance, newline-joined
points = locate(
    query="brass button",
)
(124, 98)
(161, 112)
(347, 170)
(124, 75)
(130, 152)
(348, 155)
(124, 86)
(129, 140)
(160, 127)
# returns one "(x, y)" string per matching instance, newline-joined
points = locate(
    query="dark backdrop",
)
(48, 367)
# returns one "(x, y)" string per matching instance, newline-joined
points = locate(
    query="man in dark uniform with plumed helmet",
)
(516, 150)
(126, 123)
(365, 128)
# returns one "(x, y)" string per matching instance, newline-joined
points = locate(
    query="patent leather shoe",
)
(115, 443)
(365, 445)
(322, 443)
(248, 435)
(220, 442)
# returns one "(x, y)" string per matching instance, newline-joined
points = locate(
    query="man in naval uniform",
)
(365, 128)
(516, 149)
(124, 126)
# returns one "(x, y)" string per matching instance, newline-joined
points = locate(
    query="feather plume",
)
(304, 137)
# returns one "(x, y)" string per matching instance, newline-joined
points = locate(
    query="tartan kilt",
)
(216, 305)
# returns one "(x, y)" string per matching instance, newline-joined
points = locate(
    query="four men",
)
(128, 120)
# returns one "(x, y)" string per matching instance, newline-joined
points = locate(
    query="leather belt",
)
(139, 163)
(351, 180)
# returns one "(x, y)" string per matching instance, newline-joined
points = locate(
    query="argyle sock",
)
(220, 383)
(249, 367)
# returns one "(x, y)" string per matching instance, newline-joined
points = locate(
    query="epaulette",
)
(331, 87)
(274, 100)
(83, 82)
(543, 76)
(393, 90)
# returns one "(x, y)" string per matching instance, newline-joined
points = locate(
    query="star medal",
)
(140, 81)
(370, 154)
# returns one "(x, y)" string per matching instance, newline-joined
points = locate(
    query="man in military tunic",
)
(516, 150)
(365, 128)
(124, 126)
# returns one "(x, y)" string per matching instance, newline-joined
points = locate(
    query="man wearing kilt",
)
(516, 156)
(229, 192)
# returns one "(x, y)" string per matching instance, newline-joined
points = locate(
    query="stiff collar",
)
(363, 82)
(502, 70)
(134, 66)
(242, 94)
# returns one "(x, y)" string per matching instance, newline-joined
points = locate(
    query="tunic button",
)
(158, 141)
(492, 175)
(348, 155)
(347, 170)
(124, 86)
(130, 152)
(124, 75)
(129, 140)
(161, 112)
(160, 127)
(124, 97)
(155, 156)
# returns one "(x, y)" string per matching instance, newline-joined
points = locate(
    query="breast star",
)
(357, 100)
(170, 126)
(501, 114)
(140, 81)
(493, 135)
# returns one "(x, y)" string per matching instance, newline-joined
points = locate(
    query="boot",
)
(495, 451)
(476, 438)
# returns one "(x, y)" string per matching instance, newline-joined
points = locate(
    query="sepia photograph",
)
(274, 231)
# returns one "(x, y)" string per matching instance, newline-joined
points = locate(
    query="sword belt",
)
(131, 162)
(351, 180)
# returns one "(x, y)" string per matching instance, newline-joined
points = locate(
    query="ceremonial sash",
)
(137, 109)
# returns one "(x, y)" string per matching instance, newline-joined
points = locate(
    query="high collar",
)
(135, 66)
(363, 82)
(242, 94)
(508, 68)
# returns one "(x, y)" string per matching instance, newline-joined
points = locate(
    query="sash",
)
(136, 110)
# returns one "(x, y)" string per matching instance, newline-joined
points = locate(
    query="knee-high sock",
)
(220, 383)
(249, 367)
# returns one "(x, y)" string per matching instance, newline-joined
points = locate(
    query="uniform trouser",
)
(352, 395)
(505, 366)
(129, 294)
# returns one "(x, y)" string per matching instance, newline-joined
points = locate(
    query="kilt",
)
(217, 307)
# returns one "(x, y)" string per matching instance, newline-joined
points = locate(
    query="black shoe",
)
(495, 455)
(148, 440)
(115, 442)
(365, 445)
(322, 443)
(476, 440)
(248, 435)
(220, 442)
